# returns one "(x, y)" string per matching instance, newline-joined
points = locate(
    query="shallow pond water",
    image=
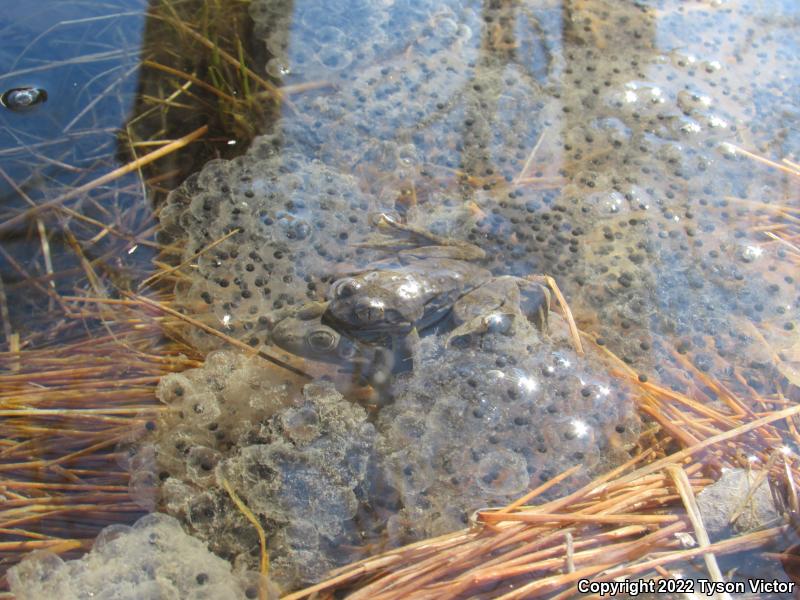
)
(410, 189)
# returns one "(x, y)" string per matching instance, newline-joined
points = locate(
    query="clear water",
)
(642, 154)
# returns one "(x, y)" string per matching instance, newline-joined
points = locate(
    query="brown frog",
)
(429, 283)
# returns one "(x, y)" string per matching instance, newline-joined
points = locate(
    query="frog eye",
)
(345, 288)
(321, 340)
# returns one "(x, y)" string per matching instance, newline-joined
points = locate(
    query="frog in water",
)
(429, 284)
(304, 334)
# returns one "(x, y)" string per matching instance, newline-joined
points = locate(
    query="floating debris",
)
(22, 99)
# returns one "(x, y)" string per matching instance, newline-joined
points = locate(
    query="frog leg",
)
(311, 310)
(456, 249)
(411, 240)
(550, 283)
(405, 231)
(459, 251)
(499, 321)
(534, 302)
(381, 367)
(407, 350)
(494, 306)
(489, 307)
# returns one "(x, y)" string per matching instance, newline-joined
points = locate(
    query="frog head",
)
(379, 300)
(304, 334)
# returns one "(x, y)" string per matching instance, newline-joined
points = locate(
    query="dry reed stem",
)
(693, 511)
(273, 91)
(562, 301)
(765, 161)
(190, 78)
(262, 538)
(146, 283)
(531, 155)
(299, 88)
(115, 174)
(524, 545)
(780, 209)
(531, 517)
(735, 544)
(63, 409)
(538, 491)
(215, 332)
(752, 487)
(544, 585)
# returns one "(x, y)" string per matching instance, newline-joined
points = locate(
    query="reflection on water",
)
(83, 59)
(611, 145)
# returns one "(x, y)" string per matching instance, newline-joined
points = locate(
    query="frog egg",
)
(294, 229)
(671, 153)
(104, 540)
(688, 101)
(330, 36)
(301, 424)
(300, 58)
(500, 323)
(278, 68)
(561, 364)
(202, 408)
(446, 28)
(408, 156)
(201, 462)
(681, 59)
(173, 388)
(313, 16)
(334, 58)
(143, 489)
(38, 567)
(277, 44)
(502, 473)
(21, 99)
(607, 203)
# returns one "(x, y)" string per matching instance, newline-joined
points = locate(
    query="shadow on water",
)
(119, 79)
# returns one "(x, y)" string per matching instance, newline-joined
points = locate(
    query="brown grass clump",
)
(64, 410)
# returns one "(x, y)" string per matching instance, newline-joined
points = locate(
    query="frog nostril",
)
(347, 350)
(368, 313)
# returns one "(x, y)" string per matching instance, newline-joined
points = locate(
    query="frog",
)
(430, 284)
(302, 333)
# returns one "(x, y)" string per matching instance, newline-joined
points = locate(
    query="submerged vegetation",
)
(198, 70)
(80, 364)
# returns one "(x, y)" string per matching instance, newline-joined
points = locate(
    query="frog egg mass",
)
(600, 143)
(152, 559)
(301, 459)
(529, 410)
(287, 221)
